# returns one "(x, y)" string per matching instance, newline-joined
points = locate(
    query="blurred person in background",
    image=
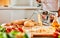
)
(50, 5)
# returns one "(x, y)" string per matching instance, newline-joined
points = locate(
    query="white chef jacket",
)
(50, 5)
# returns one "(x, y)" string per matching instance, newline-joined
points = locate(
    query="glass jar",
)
(5, 3)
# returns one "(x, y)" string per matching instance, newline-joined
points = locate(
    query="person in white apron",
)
(50, 5)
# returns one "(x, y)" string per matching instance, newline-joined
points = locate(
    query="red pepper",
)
(8, 30)
(13, 29)
(20, 29)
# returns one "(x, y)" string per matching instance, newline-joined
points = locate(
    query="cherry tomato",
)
(56, 35)
(8, 30)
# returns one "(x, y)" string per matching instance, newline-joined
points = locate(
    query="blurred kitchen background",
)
(9, 15)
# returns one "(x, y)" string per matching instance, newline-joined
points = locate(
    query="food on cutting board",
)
(43, 29)
(11, 32)
(21, 23)
(18, 28)
(30, 23)
(55, 24)
(20, 35)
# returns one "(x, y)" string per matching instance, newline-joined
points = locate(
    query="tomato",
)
(8, 30)
(56, 35)
(13, 28)
(20, 29)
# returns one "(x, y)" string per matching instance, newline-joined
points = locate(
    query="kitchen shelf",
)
(20, 8)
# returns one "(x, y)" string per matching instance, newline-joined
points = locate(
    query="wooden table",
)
(46, 35)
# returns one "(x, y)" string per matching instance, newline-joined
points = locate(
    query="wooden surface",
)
(43, 35)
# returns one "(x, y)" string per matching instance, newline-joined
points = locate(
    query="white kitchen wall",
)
(10, 15)
(59, 3)
(23, 2)
(29, 13)
(17, 14)
(5, 16)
